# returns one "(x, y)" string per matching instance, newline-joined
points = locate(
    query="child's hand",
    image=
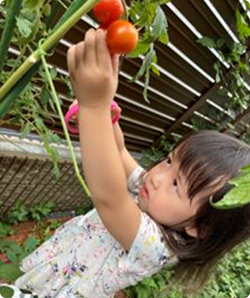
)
(93, 72)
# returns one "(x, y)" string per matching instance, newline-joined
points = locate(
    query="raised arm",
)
(129, 163)
(94, 76)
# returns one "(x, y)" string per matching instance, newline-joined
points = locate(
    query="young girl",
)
(170, 221)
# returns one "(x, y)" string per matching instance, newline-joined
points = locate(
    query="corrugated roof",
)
(186, 85)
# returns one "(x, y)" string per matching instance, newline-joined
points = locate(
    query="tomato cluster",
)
(122, 36)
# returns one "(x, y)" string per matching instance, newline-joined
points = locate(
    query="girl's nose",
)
(160, 175)
(156, 180)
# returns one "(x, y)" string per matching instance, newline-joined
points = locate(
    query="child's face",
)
(163, 194)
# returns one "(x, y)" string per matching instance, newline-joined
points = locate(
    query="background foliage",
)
(229, 280)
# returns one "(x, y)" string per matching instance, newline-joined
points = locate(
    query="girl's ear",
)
(191, 231)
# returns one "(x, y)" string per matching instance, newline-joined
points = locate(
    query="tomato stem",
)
(125, 9)
(59, 110)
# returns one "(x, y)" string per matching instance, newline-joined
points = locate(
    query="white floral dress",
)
(83, 260)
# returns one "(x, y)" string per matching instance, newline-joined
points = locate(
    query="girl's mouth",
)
(143, 192)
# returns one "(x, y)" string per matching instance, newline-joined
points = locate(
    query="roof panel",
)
(184, 39)
(157, 82)
(183, 59)
(198, 12)
(227, 11)
(172, 62)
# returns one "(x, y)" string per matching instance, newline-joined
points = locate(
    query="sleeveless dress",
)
(82, 259)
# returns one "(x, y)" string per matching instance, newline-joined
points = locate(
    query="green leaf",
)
(9, 26)
(155, 70)
(12, 256)
(247, 4)
(45, 96)
(142, 48)
(164, 38)
(236, 197)
(26, 130)
(217, 78)
(30, 15)
(31, 4)
(239, 195)
(146, 65)
(39, 124)
(47, 9)
(18, 213)
(242, 26)
(220, 43)
(17, 250)
(142, 21)
(6, 244)
(217, 67)
(207, 42)
(24, 26)
(159, 26)
(243, 67)
(5, 230)
(245, 169)
(28, 26)
(10, 272)
(53, 138)
(41, 210)
(237, 181)
(30, 244)
(147, 14)
(53, 72)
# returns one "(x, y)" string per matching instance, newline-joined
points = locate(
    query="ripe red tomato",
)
(108, 11)
(122, 37)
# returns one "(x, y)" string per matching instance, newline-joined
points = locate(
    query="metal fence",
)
(26, 174)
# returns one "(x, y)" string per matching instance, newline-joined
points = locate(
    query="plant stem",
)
(59, 110)
(125, 9)
(47, 44)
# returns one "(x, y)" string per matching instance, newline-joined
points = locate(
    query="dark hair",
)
(208, 160)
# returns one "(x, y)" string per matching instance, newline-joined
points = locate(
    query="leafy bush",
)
(41, 210)
(229, 280)
(15, 252)
(20, 212)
